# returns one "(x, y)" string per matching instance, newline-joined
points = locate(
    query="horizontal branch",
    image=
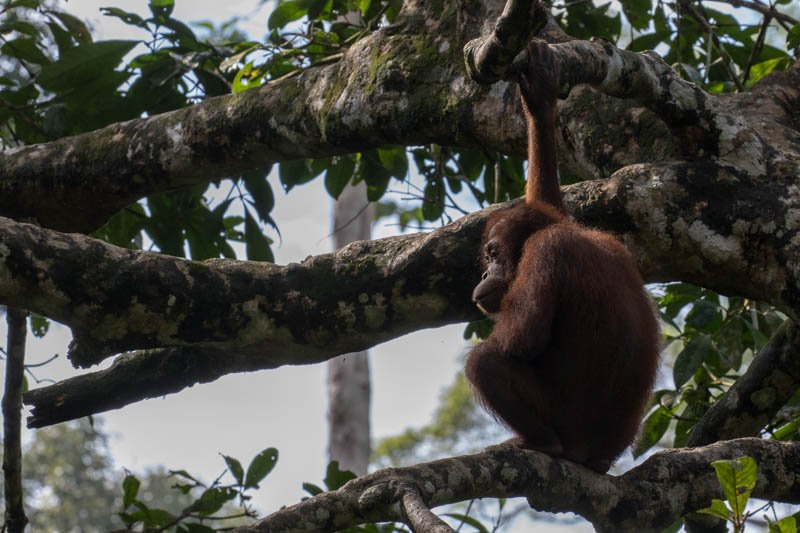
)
(132, 377)
(667, 486)
(117, 300)
(384, 90)
(704, 230)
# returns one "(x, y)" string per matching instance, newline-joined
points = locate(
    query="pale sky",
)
(239, 415)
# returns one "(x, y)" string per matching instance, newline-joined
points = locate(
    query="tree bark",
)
(15, 519)
(649, 497)
(349, 391)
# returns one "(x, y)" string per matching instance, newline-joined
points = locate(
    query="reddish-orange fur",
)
(573, 354)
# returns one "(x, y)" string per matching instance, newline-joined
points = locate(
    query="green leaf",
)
(738, 478)
(261, 465)
(159, 518)
(297, 172)
(674, 527)
(637, 13)
(693, 411)
(212, 500)
(785, 432)
(286, 13)
(394, 160)
(312, 489)
(717, 509)
(433, 199)
(677, 296)
(257, 244)
(372, 171)
(760, 70)
(690, 359)
(25, 48)
(468, 520)
(704, 316)
(21, 26)
(335, 478)
(32, 4)
(127, 17)
(161, 8)
(247, 78)
(39, 325)
(648, 41)
(130, 488)
(480, 328)
(183, 474)
(82, 64)
(793, 37)
(339, 175)
(235, 468)
(263, 199)
(364, 6)
(785, 525)
(74, 25)
(317, 7)
(653, 429)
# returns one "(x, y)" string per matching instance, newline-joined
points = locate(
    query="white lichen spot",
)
(347, 313)
(716, 248)
(322, 514)
(171, 300)
(683, 94)
(260, 327)
(769, 227)
(287, 133)
(429, 487)
(792, 219)
(739, 146)
(444, 47)
(175, 133)
(111, 327)
(374, 316)
(509, 475)
(5, 251)
(612, 81)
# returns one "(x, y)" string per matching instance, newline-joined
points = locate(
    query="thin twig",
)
(783, 18)
(726, 63)
(755, 53)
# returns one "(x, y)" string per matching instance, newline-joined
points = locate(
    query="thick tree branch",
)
(395, 86)
(743, 243)
(133, 377)
(116, 299)
(386, 89)
(747, 407)
(650, 497)
(488, 58)
(15, 518)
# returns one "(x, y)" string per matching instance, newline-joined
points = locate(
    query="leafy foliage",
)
(56, 81)
(738, 479)
(199, 515)
(712, 339)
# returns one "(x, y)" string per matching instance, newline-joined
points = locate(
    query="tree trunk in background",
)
(348, 375)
